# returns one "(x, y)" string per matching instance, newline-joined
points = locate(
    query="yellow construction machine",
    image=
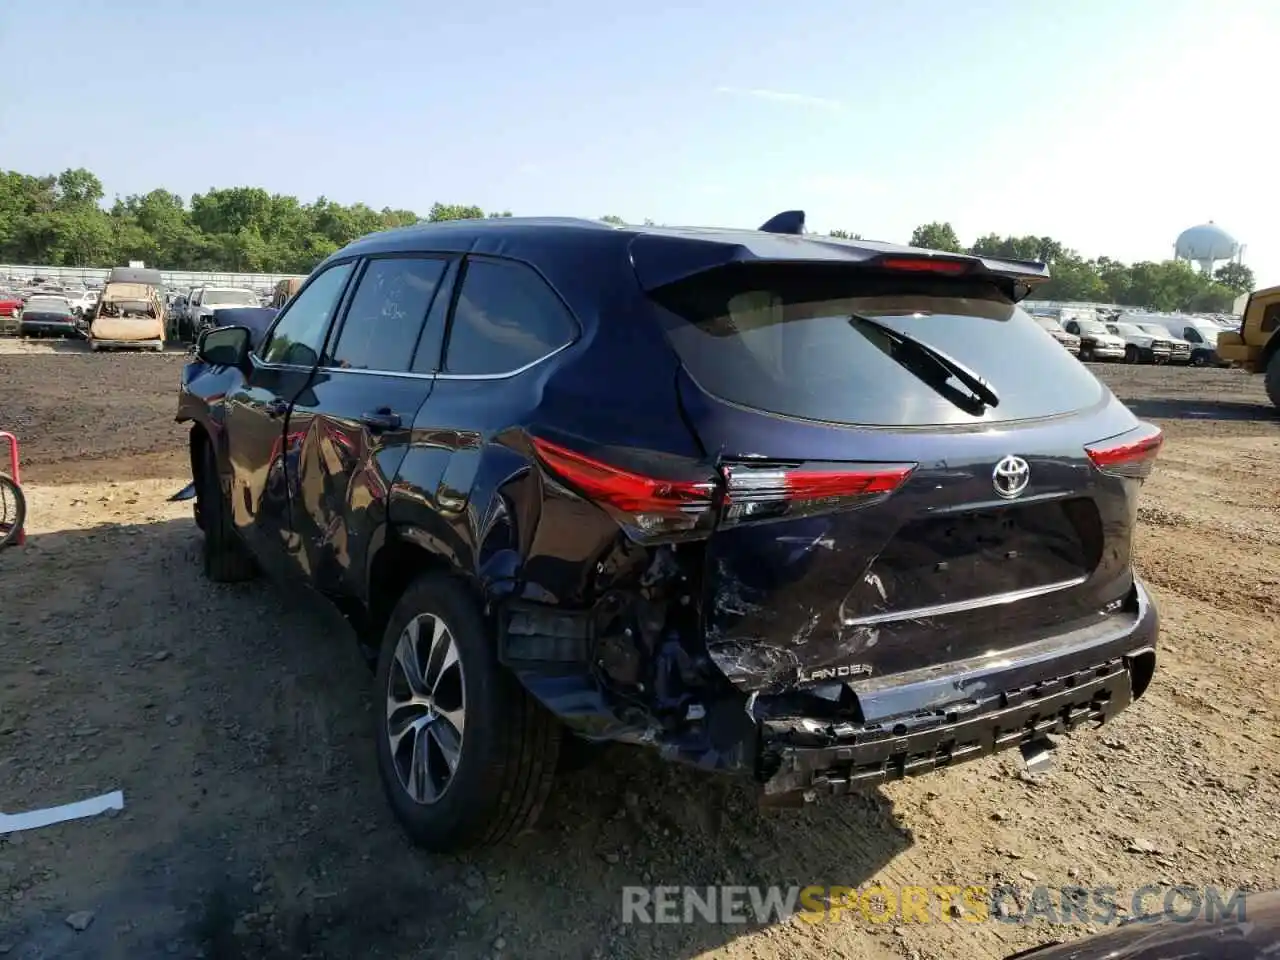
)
(1256, 345)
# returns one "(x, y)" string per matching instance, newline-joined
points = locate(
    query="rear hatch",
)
(48, 311)
(879, 516)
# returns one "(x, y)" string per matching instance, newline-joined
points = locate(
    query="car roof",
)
(151, 278)
(660, 255)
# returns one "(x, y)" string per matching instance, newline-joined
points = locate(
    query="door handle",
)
(277, 408)
(381, 419)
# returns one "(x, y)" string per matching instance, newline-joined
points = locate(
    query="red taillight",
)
(950, 268)
(645, 506)
(758, 492)
(652, 508)
(1131, 454)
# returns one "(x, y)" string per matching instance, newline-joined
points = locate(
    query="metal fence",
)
(173, 279)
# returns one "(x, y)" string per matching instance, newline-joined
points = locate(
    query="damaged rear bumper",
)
(877, 729)
(918, 728)
(865, 756)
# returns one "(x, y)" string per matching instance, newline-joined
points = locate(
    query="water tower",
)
(1206, 245)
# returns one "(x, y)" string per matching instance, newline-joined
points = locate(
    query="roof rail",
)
(792, 221)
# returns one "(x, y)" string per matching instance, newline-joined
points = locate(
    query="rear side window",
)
(386, 314)
(505, 318)
(781, 340)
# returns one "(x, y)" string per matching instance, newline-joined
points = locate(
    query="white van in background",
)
(1200, 332)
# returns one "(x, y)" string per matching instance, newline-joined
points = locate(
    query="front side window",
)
(386, 314)
(298, 336)
(506, 318)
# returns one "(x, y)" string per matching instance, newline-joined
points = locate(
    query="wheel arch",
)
(400, 555)
(197, 437)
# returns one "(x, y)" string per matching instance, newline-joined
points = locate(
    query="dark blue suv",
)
(820, 512)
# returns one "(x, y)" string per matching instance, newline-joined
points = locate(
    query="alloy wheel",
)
(426, 708)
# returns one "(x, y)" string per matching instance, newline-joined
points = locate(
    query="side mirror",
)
(224, 347)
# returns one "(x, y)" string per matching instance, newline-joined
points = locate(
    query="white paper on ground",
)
(14, 822)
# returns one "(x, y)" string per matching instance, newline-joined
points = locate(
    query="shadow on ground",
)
(237, 721)
(81, 345)
(1193, 409)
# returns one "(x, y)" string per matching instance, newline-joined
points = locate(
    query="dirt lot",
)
(236, 722)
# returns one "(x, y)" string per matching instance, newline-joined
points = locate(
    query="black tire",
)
(226, 559)
(509, 747)
(11, 526)
(1131, 354)
(1086, 353)
(1273, 379)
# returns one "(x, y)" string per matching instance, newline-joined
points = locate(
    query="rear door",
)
(356, 416)
(877, 518)
(505, 321)
(258, 442)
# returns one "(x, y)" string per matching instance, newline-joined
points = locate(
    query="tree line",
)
(61, 220)
(1158, 285)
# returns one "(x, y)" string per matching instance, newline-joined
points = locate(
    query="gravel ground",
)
(236, 720)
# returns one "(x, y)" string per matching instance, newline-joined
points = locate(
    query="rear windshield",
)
(48, 305)
(780, 339)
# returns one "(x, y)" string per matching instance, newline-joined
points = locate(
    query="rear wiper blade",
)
(982, 390)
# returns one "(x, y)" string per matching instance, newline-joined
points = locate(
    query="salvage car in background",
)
(10, 307)
(821, 514)
(285, 291)
(49, 317)
(82, 301)
(1096, 341)
(1068, 340)
(205, 300)
(130, 314)
(1179, 349)
(1200, 333)
(1140, 346)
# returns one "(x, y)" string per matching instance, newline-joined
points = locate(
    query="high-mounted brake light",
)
(1131, 454)
(758, 492)
(646, 507)
(950, 268)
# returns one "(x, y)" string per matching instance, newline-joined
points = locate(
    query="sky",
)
(1110, 125)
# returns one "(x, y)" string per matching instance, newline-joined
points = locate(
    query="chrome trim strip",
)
(959, 606)
(443, 376)
(400, 374)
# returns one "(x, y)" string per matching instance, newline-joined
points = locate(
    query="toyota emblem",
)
(1010, 477)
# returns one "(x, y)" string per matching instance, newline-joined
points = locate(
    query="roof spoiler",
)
(791, 221)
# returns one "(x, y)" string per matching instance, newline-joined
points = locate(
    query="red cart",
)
(13, 505)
